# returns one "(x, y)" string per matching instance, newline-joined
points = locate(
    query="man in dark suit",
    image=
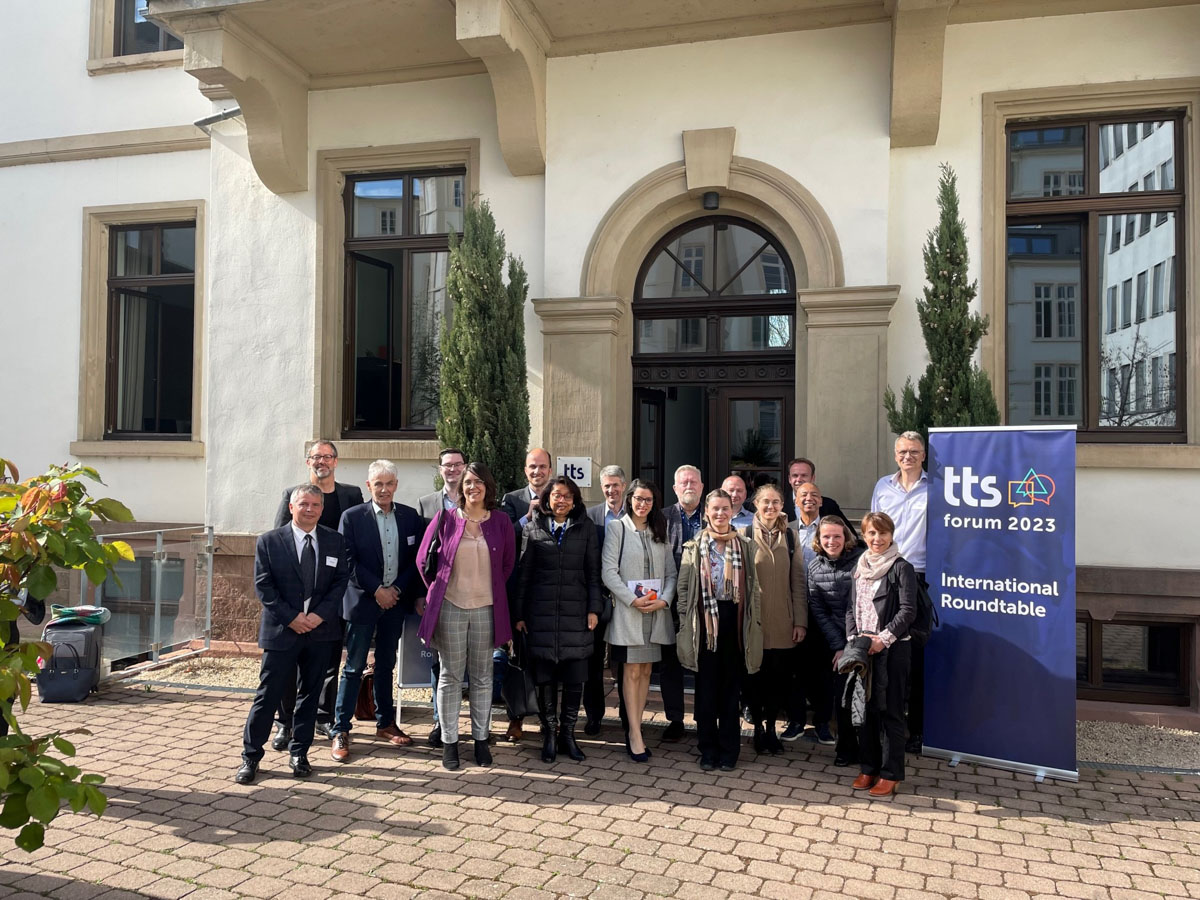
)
(684, 522)
(451, 465)
(612, 483)
(382, 538)
(322, 463)
(300, 576)
(803, 471)
(518, 505)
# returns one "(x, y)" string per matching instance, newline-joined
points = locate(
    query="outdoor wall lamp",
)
(712, 200)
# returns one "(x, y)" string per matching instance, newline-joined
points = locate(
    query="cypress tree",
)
(483, 390)
(954, 391)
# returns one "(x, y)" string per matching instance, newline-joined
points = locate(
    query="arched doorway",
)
(714, 354)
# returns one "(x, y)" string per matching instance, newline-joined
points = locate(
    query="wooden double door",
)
(742, 426)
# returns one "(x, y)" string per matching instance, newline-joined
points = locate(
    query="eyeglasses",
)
(322, 457)
(641, 500)
(908, 452)
(449, 466)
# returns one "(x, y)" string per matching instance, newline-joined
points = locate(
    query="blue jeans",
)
(386, 631)
(499, 667)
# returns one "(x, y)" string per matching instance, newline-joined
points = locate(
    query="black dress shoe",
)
(435, 737)
(299, 765)
(728, 766)
(707, 764)
(845, 760)
(247, 773)
(914, 745)
(592, 727)
(283, 737)
(324, 729)
(673, 732)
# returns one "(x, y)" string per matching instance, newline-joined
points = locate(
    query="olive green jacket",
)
(687, 600)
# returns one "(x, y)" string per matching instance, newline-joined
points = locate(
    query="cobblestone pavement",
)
(393, 823)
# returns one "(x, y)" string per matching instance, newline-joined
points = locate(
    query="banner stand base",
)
(1040, 773)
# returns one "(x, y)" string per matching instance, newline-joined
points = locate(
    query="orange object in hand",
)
(650, 595)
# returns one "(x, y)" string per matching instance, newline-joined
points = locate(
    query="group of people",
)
(771, 600)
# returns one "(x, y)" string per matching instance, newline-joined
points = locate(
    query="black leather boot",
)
(547, 697)
(450, 755)
(572, 696)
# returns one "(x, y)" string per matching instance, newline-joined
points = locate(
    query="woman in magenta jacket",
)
(466, 612)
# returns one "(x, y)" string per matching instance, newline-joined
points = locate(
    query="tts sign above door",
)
(577, 468)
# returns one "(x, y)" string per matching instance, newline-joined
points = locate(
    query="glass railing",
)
(161, 600)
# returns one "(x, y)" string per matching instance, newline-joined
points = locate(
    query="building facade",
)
(721, 218)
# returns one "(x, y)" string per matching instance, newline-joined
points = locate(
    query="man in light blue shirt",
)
(735, 487)
(905, 498)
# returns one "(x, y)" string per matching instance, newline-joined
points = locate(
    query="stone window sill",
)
(1137, 456)
(394, 450)
(167, 449)
(163, 59)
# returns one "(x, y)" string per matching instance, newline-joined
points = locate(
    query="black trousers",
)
(718, 690)
(814, 680)
(593, 689)
(881, 737)
(770, 689)
(278, 673)
(327, 701)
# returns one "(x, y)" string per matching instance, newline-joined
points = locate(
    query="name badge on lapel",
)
(331, 561)
(412, 539)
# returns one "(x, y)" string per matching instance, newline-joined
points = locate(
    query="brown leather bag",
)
(364, 708)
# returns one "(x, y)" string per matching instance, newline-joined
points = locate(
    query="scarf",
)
(769, 535)
(872, 567)
(733, 578)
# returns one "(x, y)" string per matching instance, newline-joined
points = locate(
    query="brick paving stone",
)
(398, 826)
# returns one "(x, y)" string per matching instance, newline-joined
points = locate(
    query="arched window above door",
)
(716, 285)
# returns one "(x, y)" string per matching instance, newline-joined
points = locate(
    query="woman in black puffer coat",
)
(830, 593)
(558, 606)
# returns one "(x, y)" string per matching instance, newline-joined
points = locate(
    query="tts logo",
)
(574, 471)
(965, 483)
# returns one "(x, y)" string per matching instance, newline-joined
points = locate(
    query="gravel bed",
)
(1096, 742)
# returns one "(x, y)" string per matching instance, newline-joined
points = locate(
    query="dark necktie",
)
(308, 569)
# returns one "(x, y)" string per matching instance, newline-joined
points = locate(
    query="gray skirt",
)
(646, 652)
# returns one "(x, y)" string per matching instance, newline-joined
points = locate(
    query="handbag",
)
(429, 565)
(519, 690)
(364, 707)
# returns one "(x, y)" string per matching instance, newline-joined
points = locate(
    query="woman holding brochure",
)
(639, 571)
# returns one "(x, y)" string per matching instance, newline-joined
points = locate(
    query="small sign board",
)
(577, 468)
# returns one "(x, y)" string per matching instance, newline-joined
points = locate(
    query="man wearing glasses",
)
(904, 496)
(451, 465)
(322, 462)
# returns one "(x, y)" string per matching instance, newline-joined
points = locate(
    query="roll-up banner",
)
(1000, 668)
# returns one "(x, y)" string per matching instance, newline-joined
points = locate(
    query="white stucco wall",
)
(1029, 53)
(814, 104)
(41, 271)
(48, 92)
(263, 283)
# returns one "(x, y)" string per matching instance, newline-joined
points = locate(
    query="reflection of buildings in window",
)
(387, 220)
(772, 270)
(137, 34)
(691, 276)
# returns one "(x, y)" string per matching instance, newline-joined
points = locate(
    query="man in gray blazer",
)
(612, 483)
(451, 465)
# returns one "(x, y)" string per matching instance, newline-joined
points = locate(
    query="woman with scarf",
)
(720, 628)
(779, 565)
(883, 608)
(830, 585)
(557, 604)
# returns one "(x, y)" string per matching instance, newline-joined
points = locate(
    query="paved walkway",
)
(395, 824)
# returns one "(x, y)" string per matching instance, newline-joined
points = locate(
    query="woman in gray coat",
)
(635, 550)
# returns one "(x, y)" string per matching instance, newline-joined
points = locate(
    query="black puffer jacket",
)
(830, 593)
(558, 586)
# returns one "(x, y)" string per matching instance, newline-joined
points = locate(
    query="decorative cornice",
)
(849, 307)
(579, 315)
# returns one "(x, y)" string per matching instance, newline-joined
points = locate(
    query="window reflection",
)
(1046, 162)
(671, 335)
